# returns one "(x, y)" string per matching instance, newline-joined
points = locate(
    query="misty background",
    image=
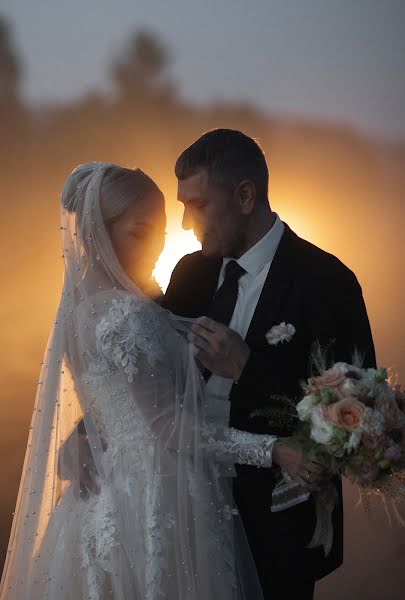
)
(320, 84)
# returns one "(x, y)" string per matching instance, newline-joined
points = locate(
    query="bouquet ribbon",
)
(324, 504)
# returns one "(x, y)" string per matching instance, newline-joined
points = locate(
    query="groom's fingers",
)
(206, 341)
(202, 332)
(202, 356)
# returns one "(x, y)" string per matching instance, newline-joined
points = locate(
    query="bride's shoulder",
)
(125, 310)
(113, 301)
(130, 328)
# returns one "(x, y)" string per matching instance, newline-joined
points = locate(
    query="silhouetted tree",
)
(10, 69)
(141, 73)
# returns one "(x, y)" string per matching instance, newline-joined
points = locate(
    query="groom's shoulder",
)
(195, 263)
(322, 264)
(193, 267)
(188, 260)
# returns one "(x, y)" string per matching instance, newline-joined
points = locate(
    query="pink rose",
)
(347, 413)
(331, 378)
(388, 407)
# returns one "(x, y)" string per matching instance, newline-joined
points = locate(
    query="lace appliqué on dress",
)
(131, 327)
(240, 446)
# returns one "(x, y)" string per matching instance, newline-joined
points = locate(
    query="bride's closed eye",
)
(139, 235)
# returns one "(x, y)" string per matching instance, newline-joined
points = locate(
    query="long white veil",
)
(179, 540)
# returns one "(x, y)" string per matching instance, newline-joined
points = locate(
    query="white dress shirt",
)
(256, 262)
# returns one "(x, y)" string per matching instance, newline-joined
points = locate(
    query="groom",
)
(252, 274)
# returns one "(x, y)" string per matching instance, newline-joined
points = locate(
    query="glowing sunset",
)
(178, 243)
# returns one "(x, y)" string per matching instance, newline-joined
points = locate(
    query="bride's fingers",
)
(84, 494)
(88, 480)
(307, 484)
(319, 477)
(313, 467)
(92, 485)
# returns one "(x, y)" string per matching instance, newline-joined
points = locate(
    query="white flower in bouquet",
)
(354, 441)
(305, 406)
(374, 379)
(321, 430)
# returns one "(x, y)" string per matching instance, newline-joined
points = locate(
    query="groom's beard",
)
(233, 247)
(238, 247)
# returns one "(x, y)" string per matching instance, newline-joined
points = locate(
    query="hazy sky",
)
(332, 59)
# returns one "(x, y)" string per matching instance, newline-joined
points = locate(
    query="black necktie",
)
(224, 301)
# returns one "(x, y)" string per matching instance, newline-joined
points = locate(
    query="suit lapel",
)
(210, 277)
(204, 285)
(275, 288)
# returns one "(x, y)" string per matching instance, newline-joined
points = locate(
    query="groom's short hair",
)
(229, 156)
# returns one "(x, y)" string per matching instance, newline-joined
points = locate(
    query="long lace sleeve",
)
(229, 444)
(136, 339)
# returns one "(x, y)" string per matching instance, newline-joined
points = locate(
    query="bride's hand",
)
(309, 474)
(87, 469)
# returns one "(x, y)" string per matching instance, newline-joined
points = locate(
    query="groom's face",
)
(212, 211)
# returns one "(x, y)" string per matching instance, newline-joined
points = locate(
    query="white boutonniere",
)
(280, 333)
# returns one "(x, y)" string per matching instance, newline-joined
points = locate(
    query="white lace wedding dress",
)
(164, 525)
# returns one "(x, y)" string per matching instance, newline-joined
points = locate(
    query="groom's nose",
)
(187, 222)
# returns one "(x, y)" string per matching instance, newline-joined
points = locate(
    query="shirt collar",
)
(259, 255)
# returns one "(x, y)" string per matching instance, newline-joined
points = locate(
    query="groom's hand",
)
(218, 348)
(310, 475)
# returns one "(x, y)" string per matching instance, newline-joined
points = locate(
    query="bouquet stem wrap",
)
(324, 504)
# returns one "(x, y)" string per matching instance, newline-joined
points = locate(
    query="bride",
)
(163, 524)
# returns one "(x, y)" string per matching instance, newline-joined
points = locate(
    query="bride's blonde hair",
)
(121, 188)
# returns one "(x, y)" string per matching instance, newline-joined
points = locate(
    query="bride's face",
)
(138, 237)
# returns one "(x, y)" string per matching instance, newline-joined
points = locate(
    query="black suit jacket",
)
(321, 297)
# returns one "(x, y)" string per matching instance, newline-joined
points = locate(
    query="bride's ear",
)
(246, 192)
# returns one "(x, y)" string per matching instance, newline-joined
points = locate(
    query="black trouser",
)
(293, 589)
(278, 542)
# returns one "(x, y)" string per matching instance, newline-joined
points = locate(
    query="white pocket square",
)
(280, 333)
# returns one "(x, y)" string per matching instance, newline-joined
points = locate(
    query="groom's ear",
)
(246, 192)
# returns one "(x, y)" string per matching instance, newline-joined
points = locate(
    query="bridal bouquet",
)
(353, 422)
